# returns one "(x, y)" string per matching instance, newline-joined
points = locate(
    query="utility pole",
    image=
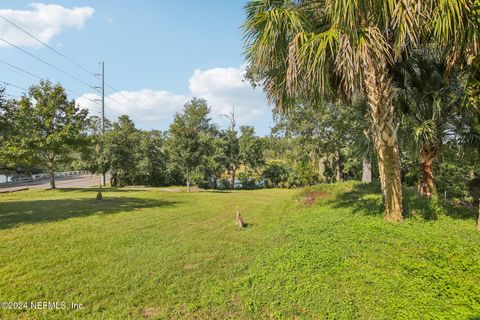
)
(102, 127)
(103, 97)
(102, 120)
(102, 176)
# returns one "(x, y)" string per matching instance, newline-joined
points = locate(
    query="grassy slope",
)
(175, 255)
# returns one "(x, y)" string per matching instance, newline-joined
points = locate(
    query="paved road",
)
(81, 181)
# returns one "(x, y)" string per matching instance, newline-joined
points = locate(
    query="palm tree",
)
(312, 50)
(430, 96)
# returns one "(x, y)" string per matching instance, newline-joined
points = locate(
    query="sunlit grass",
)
(156, 254)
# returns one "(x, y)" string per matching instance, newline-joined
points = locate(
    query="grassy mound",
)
(322, 253)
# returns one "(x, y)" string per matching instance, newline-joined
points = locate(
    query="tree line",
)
(43, 131)
(329, 142)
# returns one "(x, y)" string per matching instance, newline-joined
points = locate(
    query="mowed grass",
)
(324, 253)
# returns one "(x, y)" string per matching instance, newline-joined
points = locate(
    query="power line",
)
(25, 89)
(110, 98)
(46, 45)
(17, 73)
(13, 85)
(40, 78)
(71, 91)
(51, 48)
(64, 56)
(20, 69)
(116, 91)
(119, 92)
(12, 96)
(47, 63)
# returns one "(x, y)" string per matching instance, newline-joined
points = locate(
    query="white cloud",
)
(148, 108)
(224, 88)
(216, 79)
(221, 87)
(44, 21)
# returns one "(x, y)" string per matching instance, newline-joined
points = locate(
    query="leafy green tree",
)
(93, 156)
(320, 137)
(189, 140)
(152, 160)
(232, 153)
(216, 161)
(276, 174)
(48, 127)
(250, 149)
(311, 50)
(120, 148)
(15, 154)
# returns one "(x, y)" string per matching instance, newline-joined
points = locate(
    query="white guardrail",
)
(40, 176)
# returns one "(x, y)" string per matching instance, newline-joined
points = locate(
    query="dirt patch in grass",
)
(310, 197)
(150, 312)
(189, 266)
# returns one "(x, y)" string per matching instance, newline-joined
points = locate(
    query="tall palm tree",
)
(430, 96)
(312, 49)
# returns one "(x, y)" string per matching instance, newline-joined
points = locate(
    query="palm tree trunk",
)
(366, 171)
(382, 110)
(426, 184)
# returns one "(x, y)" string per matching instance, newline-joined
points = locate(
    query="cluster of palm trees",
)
(312, 50)
(430, 95)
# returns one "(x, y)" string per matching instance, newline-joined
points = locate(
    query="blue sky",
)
(157, 53)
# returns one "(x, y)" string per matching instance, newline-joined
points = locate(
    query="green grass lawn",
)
(165, 255)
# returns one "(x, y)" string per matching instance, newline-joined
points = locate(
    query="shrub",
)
(247, 180)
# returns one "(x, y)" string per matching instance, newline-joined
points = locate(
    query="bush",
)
(247, 180)
(303, 175)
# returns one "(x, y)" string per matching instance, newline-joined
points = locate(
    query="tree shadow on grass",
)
(96, 189)
(217, 191)
(362, 199)
(432, 209)
(16, 213)
(367, 199)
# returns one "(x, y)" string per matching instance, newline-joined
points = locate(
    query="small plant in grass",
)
(239, 220)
